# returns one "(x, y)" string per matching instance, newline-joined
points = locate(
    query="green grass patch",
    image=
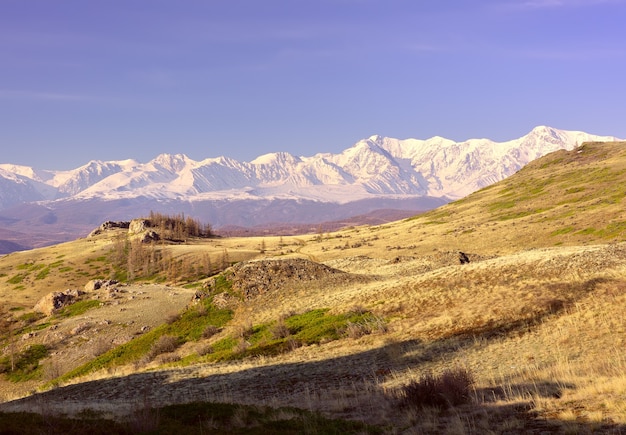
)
(43, 273)
(587, 231)
(312, 327)
(572, 190)
(521, 214)
(77, 308)
(561, 231)
(31, 317)
(29, 266)
(16, 279)
(25, 365)
(502, 205)
(614, 229)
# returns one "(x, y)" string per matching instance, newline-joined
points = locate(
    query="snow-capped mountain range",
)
(373, 167)
(39, 207)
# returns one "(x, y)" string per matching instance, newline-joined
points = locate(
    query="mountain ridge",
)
(275, 188)
(375, 166)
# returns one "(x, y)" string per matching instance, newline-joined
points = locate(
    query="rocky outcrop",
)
(252, 278)
(109, 225)
(150, 236)
(138, 226)
(54, 301)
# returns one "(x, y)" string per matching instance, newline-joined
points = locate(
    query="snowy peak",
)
(172, 162)
(73, 182)
(375, 167)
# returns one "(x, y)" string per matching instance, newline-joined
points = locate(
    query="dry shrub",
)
(210, 331)
(204, 350)
(101, 346)
(171, 318)
(241, 346)
(244, 331)
(280, 329)
(167, 358)
(451, 388)
(366, 327)
(294, 343)
(165, 344)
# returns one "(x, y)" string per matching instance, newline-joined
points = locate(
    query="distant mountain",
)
(375, 173)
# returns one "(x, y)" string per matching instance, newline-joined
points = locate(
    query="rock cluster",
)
(108, 225)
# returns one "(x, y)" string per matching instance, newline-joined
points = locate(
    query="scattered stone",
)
(81, 327)
(463, 258)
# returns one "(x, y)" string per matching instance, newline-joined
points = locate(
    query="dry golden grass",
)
(537, 315)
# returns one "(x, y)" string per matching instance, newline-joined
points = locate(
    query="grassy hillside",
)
(392, 332)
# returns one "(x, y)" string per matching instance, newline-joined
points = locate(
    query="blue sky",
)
(117, 79)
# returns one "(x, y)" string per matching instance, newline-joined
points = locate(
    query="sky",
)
(118, 79)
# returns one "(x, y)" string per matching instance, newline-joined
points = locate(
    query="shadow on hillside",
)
(344, 386)
(306, 384)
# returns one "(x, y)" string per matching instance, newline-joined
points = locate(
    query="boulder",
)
(138, 226)
(54, 301)
(97, 284)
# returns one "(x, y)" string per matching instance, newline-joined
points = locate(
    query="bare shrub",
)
(357, 309)
(366, 327)
(101, 346)
(280, 329)
(451, 388)
(210, 331)
(205, 350)
(165, 344)
(202, 310)
(167, 358)
(241, 346)
(171, 318)
(244, 331)
(294, 343)
(53, 370)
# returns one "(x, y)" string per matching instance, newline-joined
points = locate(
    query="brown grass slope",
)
(537, 316)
